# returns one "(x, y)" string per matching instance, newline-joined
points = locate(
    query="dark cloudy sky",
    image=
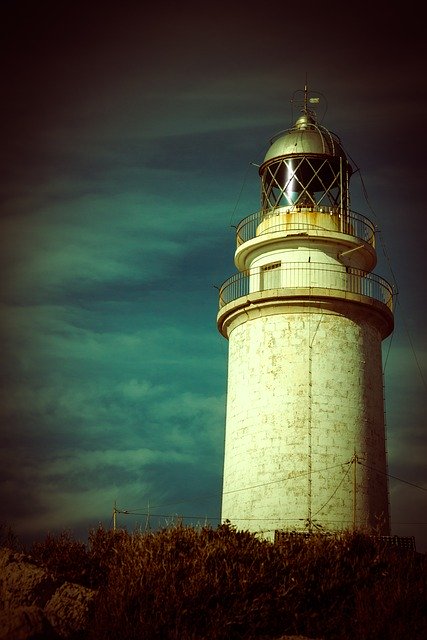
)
(127, 139)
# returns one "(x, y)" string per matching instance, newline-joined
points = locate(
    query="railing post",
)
(312, 275)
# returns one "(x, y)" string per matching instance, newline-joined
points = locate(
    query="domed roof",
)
(305, 137)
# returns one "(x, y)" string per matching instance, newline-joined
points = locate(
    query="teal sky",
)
(128, 136)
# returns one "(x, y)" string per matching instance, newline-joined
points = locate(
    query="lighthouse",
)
(305, 317)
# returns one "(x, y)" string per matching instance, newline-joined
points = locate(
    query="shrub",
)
(222, 584)
(66, 558)
(228, 585)
(9, 539)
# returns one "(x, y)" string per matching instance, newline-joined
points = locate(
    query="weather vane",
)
(306, 100)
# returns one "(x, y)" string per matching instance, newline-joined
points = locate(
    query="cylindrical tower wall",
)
(305, 436)
(297, 267)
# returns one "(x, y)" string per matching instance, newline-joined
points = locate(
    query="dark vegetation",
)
(220, 584)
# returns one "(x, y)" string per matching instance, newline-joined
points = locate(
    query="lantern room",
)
(305, 168)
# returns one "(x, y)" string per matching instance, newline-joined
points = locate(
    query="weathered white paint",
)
(312, 231)
(305, 434)
(304, 395)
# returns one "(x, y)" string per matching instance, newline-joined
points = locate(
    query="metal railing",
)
(297, 275)
(353, 224)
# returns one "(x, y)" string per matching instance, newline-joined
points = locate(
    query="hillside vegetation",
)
(183, 583)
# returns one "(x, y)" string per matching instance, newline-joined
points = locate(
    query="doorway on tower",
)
(270, 276)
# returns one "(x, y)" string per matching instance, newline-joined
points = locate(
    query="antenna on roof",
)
(307, 100)
(305, 93)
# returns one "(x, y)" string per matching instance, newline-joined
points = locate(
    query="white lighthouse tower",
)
(305, 318)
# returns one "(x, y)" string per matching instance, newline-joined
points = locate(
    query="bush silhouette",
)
(222, 584)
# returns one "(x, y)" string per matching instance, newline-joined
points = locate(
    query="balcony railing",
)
(306, 276)
(284, 220)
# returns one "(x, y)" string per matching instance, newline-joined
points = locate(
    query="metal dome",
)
(305, 137)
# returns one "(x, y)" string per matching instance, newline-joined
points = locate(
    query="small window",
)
(270, 275)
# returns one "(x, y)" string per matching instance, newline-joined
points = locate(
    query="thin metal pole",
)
(355, 459)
